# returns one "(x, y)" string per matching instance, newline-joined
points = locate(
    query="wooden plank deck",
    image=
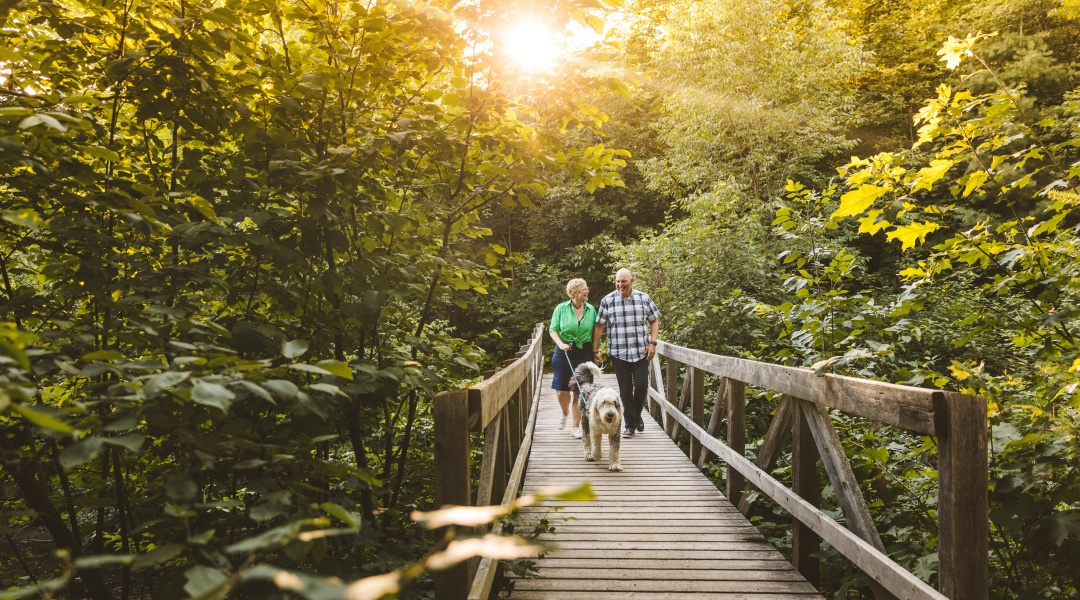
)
(659, 529)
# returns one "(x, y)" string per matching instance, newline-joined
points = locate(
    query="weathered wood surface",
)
(902, 406)
(659, 529)
(876, 565)
(491, 395)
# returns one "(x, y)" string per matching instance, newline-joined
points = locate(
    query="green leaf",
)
(336, 367)
(282, 388)
(201, 580)
(42, 119)
(272, 505)
(294, 348)
(309, 369)
(877, 454)
(204, 207)
(1063, 525)
(80, 452)
(336, 510)
(857, 201)
(327, 388)
(132, 442)
(257, 390)
(871, 223)
(103, 154)
(910, 234)
(160, 555)
(103, 560)
(103, 356)
(582, 493)
(25, 217)
(213, 394)
(267, 540)
(41, 419)
(161, 382)
(203, 538)
(14, 112)
(180, 489)
(927, 176)
(974, 180)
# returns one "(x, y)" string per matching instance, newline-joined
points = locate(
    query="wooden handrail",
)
(485, 573)
(903, 406)
(504, 407)
(958, 420)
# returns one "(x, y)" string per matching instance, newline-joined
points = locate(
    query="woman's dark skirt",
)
(562, 372)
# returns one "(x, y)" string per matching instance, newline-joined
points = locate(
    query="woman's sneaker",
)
(562, 422)
(576, 432)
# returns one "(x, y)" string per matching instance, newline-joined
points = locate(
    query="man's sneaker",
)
(562, 422)
(628, 432)
(641, 425)
(576, 432)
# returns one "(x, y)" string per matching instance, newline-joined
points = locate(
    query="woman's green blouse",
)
(570, 329)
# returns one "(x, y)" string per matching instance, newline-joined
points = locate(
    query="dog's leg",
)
(586, 439)
(597, 445)
(613, 441)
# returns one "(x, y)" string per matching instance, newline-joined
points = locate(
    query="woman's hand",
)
(564, 346)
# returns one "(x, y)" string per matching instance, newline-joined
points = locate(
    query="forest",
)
(243, 243)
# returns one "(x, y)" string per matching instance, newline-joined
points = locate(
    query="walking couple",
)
(632, 323)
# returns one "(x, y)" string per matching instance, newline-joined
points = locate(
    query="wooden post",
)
(671, 387)
(654, 383)
(451, 416)
(736, 437)
(718, 411)
(807, 484)
(514, 409)
(486, 493)
(775, 440)
(684, 399)
(963, 502)
(503, 458)
(697, 410)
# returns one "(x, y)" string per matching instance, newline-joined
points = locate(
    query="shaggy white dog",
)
(601, 413)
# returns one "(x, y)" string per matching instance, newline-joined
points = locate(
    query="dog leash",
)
(573, 372)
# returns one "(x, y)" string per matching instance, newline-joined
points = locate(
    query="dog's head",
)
(607, 405)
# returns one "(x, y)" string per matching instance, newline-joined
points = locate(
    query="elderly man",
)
(632, 322)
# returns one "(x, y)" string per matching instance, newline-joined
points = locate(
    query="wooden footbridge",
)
(660, 528)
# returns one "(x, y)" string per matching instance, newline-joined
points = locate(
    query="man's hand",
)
(650, 351)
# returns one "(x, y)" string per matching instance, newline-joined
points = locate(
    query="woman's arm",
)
(558, 341)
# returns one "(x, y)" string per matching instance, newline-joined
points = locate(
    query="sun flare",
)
(532, 46)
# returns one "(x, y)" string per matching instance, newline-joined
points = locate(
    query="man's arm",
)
(654, 334)
(597, 332)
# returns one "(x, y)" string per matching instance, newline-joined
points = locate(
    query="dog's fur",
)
(601, 413)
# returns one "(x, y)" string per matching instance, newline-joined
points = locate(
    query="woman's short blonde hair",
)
(574, 285)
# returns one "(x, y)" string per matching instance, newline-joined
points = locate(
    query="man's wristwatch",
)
(652, 342)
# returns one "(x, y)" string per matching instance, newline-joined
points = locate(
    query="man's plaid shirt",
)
(626, 322)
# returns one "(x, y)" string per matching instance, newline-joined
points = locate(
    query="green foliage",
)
(229, 235)
(716, 238)
(756, 93)
(952, 265)
(992, 260)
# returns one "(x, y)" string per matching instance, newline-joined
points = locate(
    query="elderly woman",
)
(571, 330)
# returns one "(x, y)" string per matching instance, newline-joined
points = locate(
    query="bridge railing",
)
(503, 407)
(958, 421)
